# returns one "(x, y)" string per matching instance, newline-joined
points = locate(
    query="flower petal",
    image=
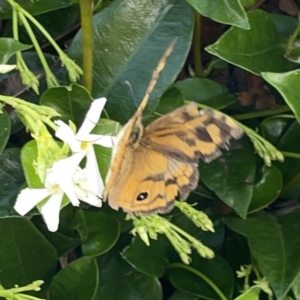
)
(65, 133)
(92, 173)
(102, 140)
(50, 211)
(28, 199)
(92, 117)
(63, 171)
(92, 200)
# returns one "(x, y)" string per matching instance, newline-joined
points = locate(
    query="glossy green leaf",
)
(170, 100)
(25, 255)
(251, 294)
(195, 279)
(291, 166)
(120, 281)
(9, 46)
(272, 128)
(28, 156)
(98, 231)
(274, 243)
(237, 252)
(103, 154)
(33, 7)
(130, 37)
(287, 85)
(71, 102)
(206, 92)
(65, 239)
(77, 281)
(285, 25)
(179, 295)
(256, 50)
(65, 18)
(5, 130)
(229, 176)
(267, 189)
(11, 180)
(229, 12)
(296, 287)
(151, 260)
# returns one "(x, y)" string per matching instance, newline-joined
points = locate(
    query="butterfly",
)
(153, 165)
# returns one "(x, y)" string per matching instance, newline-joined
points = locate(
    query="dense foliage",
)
(244, 63)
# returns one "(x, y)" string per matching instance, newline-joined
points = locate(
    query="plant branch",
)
(86, 11)
(196, 48)
(202, 276)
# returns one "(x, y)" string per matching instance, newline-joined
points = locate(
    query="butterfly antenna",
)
(156, 73)
(130, 87)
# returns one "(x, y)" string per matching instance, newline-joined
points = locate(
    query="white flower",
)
(55, 187)
(81, 144)
(66, 177)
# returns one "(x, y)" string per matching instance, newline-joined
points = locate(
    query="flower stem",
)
(202, 276)
(51, 81)
(196, 48)
(290, 43)
(86, 11)
(291, 154)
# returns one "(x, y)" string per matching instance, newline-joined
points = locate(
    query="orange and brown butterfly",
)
(152, 166)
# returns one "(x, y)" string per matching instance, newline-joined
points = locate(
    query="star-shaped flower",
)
(82, 143)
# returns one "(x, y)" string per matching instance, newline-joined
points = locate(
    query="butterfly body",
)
(152, 166)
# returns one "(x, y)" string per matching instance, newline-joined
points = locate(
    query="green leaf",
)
(65, 239)
(71, 102)
(285, 25)
(272, 128)
(274, 243)
(290, 167)
(103, 154)
(28, 156)
(98, 231)
(229, 176)
(132, 54)
(5, 130)
(287, 85)
(251, 294)
(229, 12)
(205, 91)
(296, 287)
(9, 46)
(33, 7)
(197, 278)
(25, 255)
(170, 100)
(267, 189)
(77, 281)
(256, 50)
(178, 295)
(11, 180)
(151, 260)
(119, 280)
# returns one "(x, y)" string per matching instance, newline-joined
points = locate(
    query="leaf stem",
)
(290, 43)
(262, 113)
(202, 276)
(86, 11)
(196, 48)
(291, 154)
